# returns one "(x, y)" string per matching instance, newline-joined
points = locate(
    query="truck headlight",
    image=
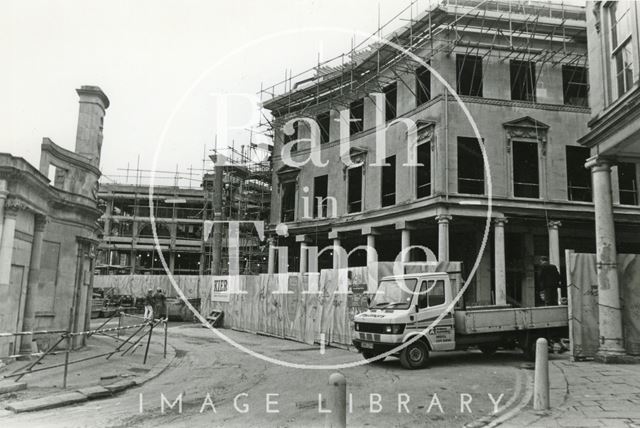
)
(394, 328)
(357, 327)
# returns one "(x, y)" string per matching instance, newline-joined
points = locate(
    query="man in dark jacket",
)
(549, 282)
(160, 307)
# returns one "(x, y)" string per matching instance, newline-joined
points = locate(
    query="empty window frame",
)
(628, 183)
(356, 116)
(575, 86)
(324, 120)
(621, 46)
(526, 172)
(523, 80)
(354, 189)
(423, 85)
(469, 75)
(320, 196)
(578, 177)
(470, 166)
(289, 138)
(288, 201)
(390, 101)
(423, 171)
(388, 182)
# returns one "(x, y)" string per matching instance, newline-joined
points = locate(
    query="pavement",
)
(209, 382)
(212, 383)
(86, 380)
(587, 394)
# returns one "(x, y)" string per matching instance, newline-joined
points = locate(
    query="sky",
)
(163, 64)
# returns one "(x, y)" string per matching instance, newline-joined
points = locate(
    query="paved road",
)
(205, 364)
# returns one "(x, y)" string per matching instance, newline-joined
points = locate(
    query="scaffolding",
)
(187, 196)
(246, 198)
(541, 32)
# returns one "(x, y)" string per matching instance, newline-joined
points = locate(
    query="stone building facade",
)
(525, 86)
(48, 232)
(614, 141)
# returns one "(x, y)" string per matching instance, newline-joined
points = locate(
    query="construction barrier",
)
(582, 281)
(310, 307)
(131, 341)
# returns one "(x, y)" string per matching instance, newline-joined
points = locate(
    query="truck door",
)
(432, 301)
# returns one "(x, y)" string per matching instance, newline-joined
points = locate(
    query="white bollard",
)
(337, 402)
(541, 382)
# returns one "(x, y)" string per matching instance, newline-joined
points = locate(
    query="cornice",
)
(69, 156)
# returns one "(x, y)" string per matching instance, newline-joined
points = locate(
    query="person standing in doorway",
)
(549, 282)
(148, 305)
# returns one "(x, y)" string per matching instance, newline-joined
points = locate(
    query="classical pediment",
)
(527, 128)
(526, 122)
(425, 129)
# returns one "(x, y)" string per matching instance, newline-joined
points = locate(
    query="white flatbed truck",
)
(406, 306)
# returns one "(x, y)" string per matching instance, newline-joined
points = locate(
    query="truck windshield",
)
(394, 293)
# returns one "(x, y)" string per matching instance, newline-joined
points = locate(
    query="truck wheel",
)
(488, 349)
(414, 356)
(370, 354)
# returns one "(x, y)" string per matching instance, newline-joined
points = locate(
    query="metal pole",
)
(133, 344)
(541, 383)
(69, 345)
(128, 339)
(66, 362)
(103, 324)
(146, 351)
(166, 326)
(119, 323)
(218, 215)
(32, 365)
(337, 402)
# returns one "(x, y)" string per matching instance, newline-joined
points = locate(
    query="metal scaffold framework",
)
(244, 195)
(184, 197)
(506, 30)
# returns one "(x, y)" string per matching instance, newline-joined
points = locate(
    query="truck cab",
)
(403, 307)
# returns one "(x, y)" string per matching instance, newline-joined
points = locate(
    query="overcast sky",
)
(146, 56)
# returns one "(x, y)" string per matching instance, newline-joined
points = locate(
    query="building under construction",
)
(182, 215)
(520, 70)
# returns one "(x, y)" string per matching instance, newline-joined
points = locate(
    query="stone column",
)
(499, 260)
(172, 261)
(304, 253)
(33, 280)
(443, 237)
(372, 255)
(108, 212)
(304, 257)
(610, 316)
(271, 261)
(3, 199)
(405, 242)
(336, 253)
(6, 244)
(554, 247)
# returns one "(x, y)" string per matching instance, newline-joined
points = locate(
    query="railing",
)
(526, 190)
(68, 336)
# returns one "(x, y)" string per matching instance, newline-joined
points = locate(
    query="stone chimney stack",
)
(93, 104)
